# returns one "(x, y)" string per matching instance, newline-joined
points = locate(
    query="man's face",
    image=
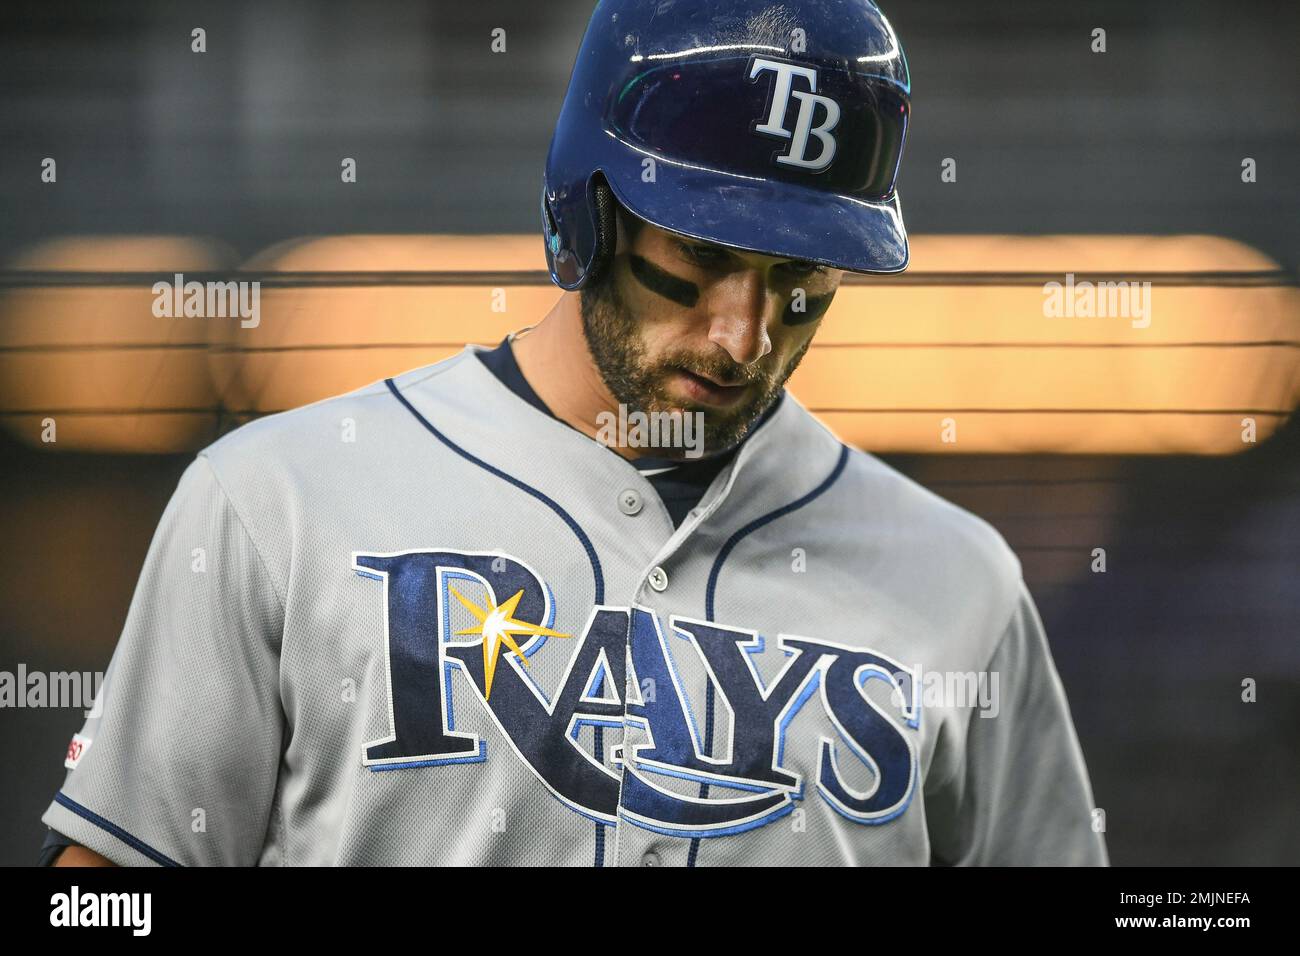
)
(684, 325)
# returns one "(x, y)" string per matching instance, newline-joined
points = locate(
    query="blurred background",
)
(1171, 446)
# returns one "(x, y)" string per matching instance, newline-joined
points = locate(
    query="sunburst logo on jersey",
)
(497, 626)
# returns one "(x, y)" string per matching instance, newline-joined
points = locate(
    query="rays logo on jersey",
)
(668, 764)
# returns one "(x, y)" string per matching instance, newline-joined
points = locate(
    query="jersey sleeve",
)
(178, 759)
(1019, 794)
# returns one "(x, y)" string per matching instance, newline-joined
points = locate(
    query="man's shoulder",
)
(929, 513)
(316, 434)
(877, 504)
(953, 550)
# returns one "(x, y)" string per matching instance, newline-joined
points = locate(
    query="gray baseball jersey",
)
(425, 623)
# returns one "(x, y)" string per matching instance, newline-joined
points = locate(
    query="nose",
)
(738, 316)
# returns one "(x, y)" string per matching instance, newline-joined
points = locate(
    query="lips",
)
(710, 392)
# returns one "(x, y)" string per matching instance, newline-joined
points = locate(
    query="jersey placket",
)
(636, 845)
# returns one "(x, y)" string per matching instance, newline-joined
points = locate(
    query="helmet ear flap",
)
(604, 208)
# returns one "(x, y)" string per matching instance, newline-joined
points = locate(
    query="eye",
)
(704, 255)
(803, 269)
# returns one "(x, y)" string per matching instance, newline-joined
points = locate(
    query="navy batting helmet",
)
(769, 127)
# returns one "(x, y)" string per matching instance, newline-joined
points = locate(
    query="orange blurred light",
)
(95, 361)
(900, 365)
(960, 345)
(314, 342)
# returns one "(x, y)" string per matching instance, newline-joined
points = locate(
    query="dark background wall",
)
(243, 143)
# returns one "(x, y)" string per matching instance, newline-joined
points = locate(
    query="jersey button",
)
(659, 579)
(651, 859)
(629, 501)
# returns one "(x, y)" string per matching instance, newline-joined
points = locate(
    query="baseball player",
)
(604, 594)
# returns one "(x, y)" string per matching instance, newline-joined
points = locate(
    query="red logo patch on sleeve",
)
(76, 750)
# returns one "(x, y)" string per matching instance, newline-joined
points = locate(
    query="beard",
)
(641, 384)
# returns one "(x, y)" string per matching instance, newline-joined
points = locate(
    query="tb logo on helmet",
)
(808, 100)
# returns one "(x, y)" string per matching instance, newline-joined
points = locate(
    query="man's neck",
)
(553, 357)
